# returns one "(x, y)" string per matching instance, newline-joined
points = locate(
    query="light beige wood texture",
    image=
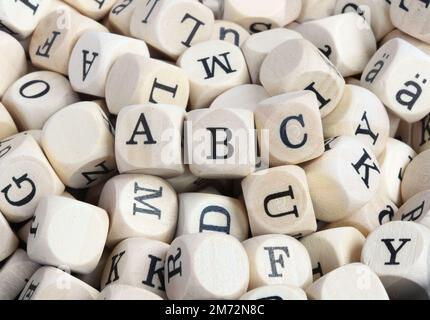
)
(417, 176)
(376, 13)
(361, 114)
(34, 98)
(137, 80)
(68, 233)
(246, 96)
(275, 292)
(55, 36)
(120, 15)
(230, 32)
(396, 33)
(15, 273)
(79, 143)
(278, 260)
(259, 45)
(203, 212)
(398, 253)
(187, 182)
(421, 134)
(293, 125)
(220, 143)
(93, 56)
(94, 9)
(278, 201)
(124, 292)
(137, 262)
(343, 179)
(13, 63)
(49, 283)
(8, 240)
(172, 26)
(354, 281)
(393, 162)
(333, 248)
(298, 65)
(139, 206)
(212, 67)
(7, 125)
(416, 209)
(404, 132)
(206, 266)
(316, 9)
(256, 16)
(93, 278)
(345, 39)
(394, 123)
(148, 140)
(25, 177)
(217, 7)
(398, 75)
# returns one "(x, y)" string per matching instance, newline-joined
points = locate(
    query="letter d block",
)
(25, 177)
(283, 206)
(220, 143)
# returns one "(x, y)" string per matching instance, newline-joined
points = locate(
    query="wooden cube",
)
(396, 33)
(215, 5)
(206, 266)
(278, 260)
(416, 177)
(172, 26)
(354, 281)
(120, 15)
(316, 9)
(416, 209)
(134, 79)
(230, 32)
(247, 96)
(405, 93)
(343, 179)
(257, 16)
(259, 45)
(420, 134)
(55, 36)
(204, 212)
(93, 278)
(298, 65)
(7, 125)
(124, 292)
(49, 283)
(25, 177)
(137, 262)
(79, 143)
(361, 114)
(278, 201)
(79, 236)
(93, 56)
(212, 67)
(220, 143)
(9, 241)
(15, 273)
(292, 122)
(398, 253)
(187, 182)
(94, 9)
(333, 248)
(34, 98)
(275, 292)
(148, 140)
(139, 206)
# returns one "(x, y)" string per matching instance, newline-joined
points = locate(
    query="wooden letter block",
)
(230, 32)
(396, 33)
(416, 177)
(55, 36)
(343, 179)
(361, 114)
(134, 79)
(139, 206)
(354, 281)
(188, 182)
(275, 292)
(7, 125)
(259, 45)
(333, 248)
(316, 9)
(203, 212)
(298, 65)
(49, 283)
(398, 253)
(206, 266)
(212, 67)
(95, 9)
(68, 233)
(215, 5)
(124, 292)
(148, 140)
(220, 143)
(398, 74)
(257, 16)
(34, 98)
(137, 262)
(15, 273)
(172, 26)
(278, 260)
(247, 96)
(416, 209)
(120, 16)
(93, 278)
(25, 177)
(93, 56)
(8, 240)
(283, 205)
(421, 134)
(78, 142)
(292, 122)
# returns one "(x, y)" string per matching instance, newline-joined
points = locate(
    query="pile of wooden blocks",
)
(214, 149)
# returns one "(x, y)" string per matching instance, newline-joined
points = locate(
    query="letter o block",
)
(275, 292)
(206, 266)
(7, 125)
